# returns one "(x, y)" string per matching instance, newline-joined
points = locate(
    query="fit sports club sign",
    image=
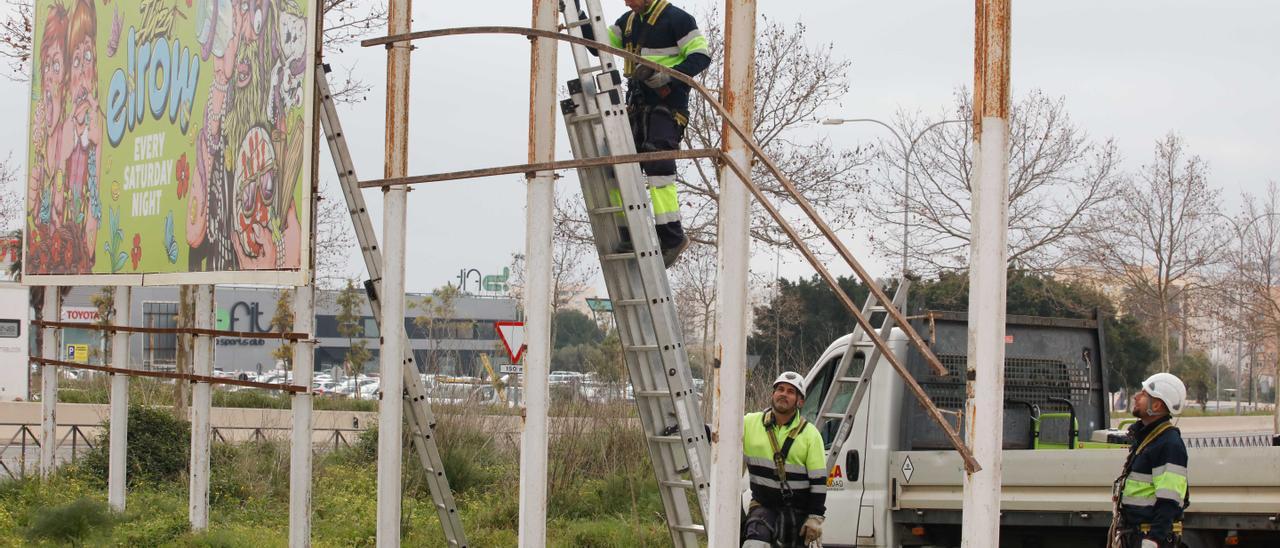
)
(168, 139)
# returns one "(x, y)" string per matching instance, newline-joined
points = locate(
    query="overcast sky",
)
(1131, 70)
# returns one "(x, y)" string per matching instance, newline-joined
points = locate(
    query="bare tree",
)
(1163, 238)
(794, 81)
(693, 282)
(1059, 179)
(572, 269)
(1250, 281)
(334, 238)
(15, 38)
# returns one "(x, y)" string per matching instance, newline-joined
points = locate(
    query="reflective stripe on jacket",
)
(806, 465)
(666, 35)
(1156, 487)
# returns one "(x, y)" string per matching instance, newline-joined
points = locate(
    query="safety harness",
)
(780, 453)
(1117, 489)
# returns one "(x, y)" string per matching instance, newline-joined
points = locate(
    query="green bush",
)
(159, 448)
(250, 398)
(69, 523)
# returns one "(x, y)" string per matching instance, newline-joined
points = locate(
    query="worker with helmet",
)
(1151, 492)
(784, 457)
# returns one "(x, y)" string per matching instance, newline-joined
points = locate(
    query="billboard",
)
(169, 142)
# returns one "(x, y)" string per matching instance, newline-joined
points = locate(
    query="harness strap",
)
(780, 454)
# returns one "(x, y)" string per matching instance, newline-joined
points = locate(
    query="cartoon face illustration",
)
(286, 76)
(83, 73)
(255, 183)
(53, 70)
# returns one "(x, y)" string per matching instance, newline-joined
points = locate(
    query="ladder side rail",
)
(420, 416)
(366, 238)
(864, 385)
(657, 290)
(664, 458)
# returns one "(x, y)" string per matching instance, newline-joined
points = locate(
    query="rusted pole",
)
(540, 195)
(733, 260)
(394, 213)
(988, 258)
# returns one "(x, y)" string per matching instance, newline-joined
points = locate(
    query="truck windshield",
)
(820, 386)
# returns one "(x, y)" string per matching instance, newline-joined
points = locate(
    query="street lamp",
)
(906, 167)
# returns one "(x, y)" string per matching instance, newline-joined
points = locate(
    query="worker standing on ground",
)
(1151, 492)
(657, 104)
(788, 469)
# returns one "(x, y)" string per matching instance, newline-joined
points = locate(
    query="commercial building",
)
(446, 340)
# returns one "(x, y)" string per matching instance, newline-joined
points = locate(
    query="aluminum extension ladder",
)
(859, 382)
(645, 312)
(422, 422)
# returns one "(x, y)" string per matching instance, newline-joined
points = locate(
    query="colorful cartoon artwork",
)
(169, 108)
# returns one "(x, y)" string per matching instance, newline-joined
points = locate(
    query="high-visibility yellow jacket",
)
(806, 463)
(1156, 486)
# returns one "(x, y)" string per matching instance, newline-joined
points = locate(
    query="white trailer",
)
(894, 484)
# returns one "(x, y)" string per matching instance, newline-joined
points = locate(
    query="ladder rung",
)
(578, 23)
(833, 415)
(853, 380)
(650, 393)
(619, 256)
(591, 69)
(630, 302)
(690, 528)
(642, 348)
(581, 118)
(607, 210)
(665, 439)
(677, 484)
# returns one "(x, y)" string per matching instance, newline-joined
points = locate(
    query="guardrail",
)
(79, 438)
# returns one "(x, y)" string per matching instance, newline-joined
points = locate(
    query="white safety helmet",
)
(792, 378)
(1169, 389)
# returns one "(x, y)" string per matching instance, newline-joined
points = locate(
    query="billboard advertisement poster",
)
(169, 142)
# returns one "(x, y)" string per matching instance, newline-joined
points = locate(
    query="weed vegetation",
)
(602, 491)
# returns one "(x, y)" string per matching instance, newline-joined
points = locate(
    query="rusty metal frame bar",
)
(529, 169)
(292, 337)
(290, 388)
(971, 464)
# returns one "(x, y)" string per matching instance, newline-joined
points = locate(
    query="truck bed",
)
(1234, 481)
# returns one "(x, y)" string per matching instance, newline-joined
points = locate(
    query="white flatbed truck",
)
(897, 483)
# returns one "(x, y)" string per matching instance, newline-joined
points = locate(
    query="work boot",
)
(624, 241)
(672, 254)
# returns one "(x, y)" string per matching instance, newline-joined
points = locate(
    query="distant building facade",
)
(453, 345)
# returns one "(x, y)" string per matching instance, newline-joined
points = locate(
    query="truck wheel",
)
(1202, 539)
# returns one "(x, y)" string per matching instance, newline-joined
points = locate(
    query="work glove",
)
(812, 529)
(1148, 543)
(650, 77)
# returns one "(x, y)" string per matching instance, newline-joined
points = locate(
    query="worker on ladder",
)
(788, 470)
(1151, 492)
(657, 104)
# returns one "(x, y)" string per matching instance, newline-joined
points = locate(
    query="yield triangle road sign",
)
(512, 334)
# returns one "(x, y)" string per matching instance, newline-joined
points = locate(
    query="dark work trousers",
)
(659, 129)
(780, 528)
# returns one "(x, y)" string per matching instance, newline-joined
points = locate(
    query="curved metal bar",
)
(971, 464)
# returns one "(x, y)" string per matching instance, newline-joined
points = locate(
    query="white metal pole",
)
(117, 476)
(394, 207)
(52, 312)
(201, 401)
(988, 257)
(301, 446)
(540, 193)
(733, 257)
